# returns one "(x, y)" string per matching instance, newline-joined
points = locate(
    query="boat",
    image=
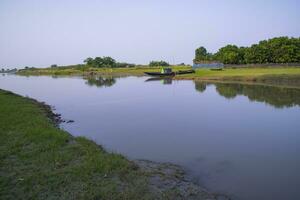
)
(169, 72)
(159, 74)
(163, 72)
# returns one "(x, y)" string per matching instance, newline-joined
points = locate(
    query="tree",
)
(229, 54)
(100, 62)
(201, 54)
(158, 63)
(89, 61)
(53, 66)
(108, 62)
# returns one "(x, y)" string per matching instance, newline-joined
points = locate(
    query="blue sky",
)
(40, 33)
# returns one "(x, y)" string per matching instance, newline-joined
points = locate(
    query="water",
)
(242, 140)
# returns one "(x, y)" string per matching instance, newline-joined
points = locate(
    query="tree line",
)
(105, 61)
(158, 63)
(275, 50)
(109, 62)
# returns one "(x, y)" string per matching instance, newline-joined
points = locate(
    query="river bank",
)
(287, 76)
(41, 161)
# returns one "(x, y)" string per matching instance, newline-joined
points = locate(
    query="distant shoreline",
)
(282, 76)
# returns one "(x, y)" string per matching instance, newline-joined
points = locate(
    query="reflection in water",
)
(164, 80)
(276, 96)
(100, 81)
(200, 86)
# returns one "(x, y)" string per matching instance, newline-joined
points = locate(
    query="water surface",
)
(242, 140)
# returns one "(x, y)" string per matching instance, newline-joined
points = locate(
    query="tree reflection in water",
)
(100, 81)
(200, 86)
(278, 97)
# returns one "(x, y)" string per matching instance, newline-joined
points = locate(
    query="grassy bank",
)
(289, 76)
(136, 71)
(40, 161)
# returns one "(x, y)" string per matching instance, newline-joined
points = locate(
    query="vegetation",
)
(288, 76)
(275, 50)
(40, 161)
(159, 63)
(100, 62)
(84, 70)
(105, 62)
(202, 55)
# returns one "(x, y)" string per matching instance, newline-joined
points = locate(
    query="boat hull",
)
(159, 74)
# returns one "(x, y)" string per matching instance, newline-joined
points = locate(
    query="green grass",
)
(100, 71)
(286, 76)
(40, 161)
(245, 72)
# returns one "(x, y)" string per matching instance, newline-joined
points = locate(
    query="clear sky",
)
(44, 32)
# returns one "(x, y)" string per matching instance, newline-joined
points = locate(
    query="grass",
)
(40, 161)
(244, 72)
(288, 76)
(138, 71)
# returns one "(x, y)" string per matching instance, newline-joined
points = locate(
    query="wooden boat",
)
(168, 72)
(159, 74)
(163, 72)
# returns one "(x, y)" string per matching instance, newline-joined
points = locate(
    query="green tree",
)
(108, 62)
(275, 50)
(201, 54)
(89, 61)
(158, 63)
(100, 62)
(229, 54)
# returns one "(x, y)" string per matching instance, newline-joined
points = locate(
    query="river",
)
(241, 140)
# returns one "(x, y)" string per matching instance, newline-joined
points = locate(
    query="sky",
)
(38, 33)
